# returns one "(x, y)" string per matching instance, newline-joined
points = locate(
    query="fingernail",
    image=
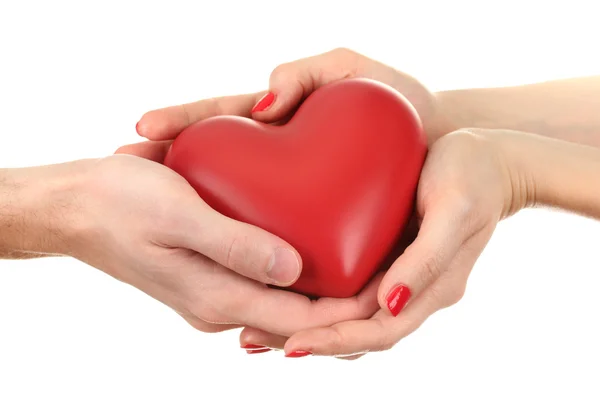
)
(253, 351)
(397, 299)
(298, 354)
(138, 129)
(253, 346)
(284, 266)
(264, 102)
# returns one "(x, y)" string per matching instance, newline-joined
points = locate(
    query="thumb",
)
(243, 248)
(292, 82)
(438, 241)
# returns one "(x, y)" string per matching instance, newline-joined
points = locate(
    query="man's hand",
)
(144, 224)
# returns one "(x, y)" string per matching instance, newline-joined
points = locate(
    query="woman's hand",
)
(466, 187)
(143, 224)
(289, 84)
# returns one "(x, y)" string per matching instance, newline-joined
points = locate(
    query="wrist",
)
(440, 120)
(481, 108)
(512, 149)
(556, 173)
(39, 209)
(503, 159)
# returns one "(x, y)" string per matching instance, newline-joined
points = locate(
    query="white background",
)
(76, 76)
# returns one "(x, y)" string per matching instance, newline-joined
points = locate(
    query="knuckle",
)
(186, 113)
(202, 109)
(203, 326)
(448, 296)
(213, 107)
(431, 268)
(232, 260)
(210, 314)
(463, 204)
(282, 72)
(202, 300)
(385, 339)
(344, 52)
(384, 344)
(437, 297)
(455, 295)
(337, 341)
(201, 310)
(239, 256)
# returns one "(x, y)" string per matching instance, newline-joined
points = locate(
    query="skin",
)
(492, 175)
(458, 203)
(212, 270)
(143, 224)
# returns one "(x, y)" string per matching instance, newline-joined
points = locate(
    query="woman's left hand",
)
(289, 85)
(464, 190)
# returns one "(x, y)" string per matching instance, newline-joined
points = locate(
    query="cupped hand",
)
(143, 224)
(289, 85)
(466, 187)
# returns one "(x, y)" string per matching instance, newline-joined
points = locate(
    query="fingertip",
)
(161, 124)
(277, 104)
(391, 293)
(247, 249)
(122, 150)
(154, 151)
(264, 103)
(138, 129)
(147, 123)
(269, 108)
(285, 266)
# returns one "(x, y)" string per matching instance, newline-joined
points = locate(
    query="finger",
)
(292, 82)
(441, 235)
(208, 327)
(167, 123)
(302, 313)
(283, 312)
(155, 151)
(252, 338)
(408, 236)
(243, 248)
(351, 357)
(358, 337)
(383, 331)
(218, 295)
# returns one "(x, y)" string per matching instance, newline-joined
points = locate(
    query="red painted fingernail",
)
(298, 354)
(264, 102)
(397, 299)
(253, 346)
(253, 351)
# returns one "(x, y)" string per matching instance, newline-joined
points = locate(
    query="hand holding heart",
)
(337, 181)
(455, 226)
(143, 224)
(463, 192)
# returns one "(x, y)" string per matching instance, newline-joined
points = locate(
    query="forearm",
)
(555, 173)
(566, 109)
(34, 210)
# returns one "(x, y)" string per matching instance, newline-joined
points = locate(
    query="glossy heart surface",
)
(338, 181)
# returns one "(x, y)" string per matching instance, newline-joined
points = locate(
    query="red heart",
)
(337, 181)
